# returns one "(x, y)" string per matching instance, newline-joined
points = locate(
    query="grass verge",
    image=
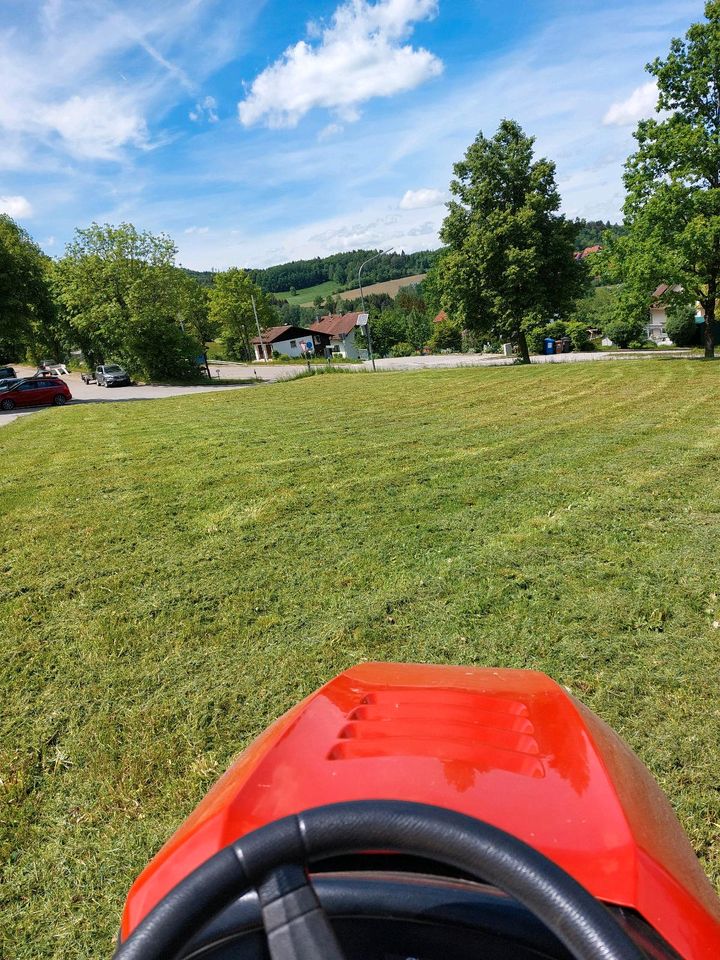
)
(177, 574)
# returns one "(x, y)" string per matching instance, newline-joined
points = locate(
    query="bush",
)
(681, 326)
(626, 331)
(536, 340)
(446, 336)
(578, 333)
(402, 350)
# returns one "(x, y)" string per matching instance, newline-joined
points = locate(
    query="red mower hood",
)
(509, 747)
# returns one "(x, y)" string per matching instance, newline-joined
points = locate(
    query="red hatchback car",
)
(33, 392)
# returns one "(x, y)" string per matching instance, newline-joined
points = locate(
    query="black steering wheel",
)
(273, 860)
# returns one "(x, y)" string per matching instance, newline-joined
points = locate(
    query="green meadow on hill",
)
(177, 573)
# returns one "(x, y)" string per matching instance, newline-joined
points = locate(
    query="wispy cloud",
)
(360, 55)
(93, 80)
(206, 109)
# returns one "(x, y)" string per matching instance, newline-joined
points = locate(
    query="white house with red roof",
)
(340, 329)
(289, 341)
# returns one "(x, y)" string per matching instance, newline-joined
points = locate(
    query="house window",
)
(293, 343)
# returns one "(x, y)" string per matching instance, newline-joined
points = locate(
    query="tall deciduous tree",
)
(509, 265)
(232, 310)
(119, 291)
(672, 208)
(28, 321)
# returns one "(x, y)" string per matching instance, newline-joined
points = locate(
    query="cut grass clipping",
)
(177, 573)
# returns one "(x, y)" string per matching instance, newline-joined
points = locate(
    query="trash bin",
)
(567, 344)
(559, 346)
(549, 345)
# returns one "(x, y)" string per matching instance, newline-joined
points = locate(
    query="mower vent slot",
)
(483, 731)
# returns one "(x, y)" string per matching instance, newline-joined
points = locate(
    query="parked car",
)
(7, 373)
(111, 375)
(33, 392)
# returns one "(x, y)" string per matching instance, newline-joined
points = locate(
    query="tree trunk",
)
(523, 347)
(709, 308)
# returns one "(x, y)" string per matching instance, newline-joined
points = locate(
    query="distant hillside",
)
(390, 287)
(340, 268)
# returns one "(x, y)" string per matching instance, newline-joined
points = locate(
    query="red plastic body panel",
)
(507, 746)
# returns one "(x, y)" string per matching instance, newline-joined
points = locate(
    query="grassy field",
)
(177, 573)
(306, 296)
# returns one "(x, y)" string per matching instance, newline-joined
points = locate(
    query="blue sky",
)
(259, 131)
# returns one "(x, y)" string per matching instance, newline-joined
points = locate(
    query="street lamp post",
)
(362, 299)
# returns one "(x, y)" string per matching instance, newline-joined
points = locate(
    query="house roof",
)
(286, 332)
(335, 324)
(587, 251)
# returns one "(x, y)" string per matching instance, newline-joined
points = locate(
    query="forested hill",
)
(343, 267)
(591, 232)
(340, 267)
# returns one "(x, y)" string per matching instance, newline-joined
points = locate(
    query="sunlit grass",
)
(177, 573)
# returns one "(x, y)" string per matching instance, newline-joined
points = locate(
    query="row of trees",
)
(508, 269)
(117, 295)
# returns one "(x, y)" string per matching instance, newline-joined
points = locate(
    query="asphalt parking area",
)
(91, 393)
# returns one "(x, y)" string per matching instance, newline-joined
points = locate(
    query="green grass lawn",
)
(176, 573)
(306, 296)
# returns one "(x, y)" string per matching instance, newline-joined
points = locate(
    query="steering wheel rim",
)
(585, 927)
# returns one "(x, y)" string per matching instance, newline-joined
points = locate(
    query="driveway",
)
(91, 393)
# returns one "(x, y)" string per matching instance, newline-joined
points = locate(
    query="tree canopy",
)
(672, 209)
(231, 309)
(28, 320)
(509, 266)
(121, 298)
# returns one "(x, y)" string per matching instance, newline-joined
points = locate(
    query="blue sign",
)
(309, 345)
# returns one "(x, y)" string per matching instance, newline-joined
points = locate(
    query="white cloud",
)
(96, 126)
(360, 55)
(418, 199)
(641, 104)
(205, 110)
(15, 207)
(196, 229)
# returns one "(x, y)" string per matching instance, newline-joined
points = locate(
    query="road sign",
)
(362, 320)
(309, 346)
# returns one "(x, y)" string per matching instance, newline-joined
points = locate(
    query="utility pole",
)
(362, 300)
(257, 324)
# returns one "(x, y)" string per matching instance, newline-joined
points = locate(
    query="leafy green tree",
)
(432, 288)
(681, 326)
(28, 319)
(447, 335)
(232, 310)
(119, 293)
(418, 328)
(672, 208)
(388, 328)
(510, 263)
(626, 328)
(193, 310)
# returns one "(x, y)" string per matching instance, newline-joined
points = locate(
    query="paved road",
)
(281, 371)
(91, 393)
